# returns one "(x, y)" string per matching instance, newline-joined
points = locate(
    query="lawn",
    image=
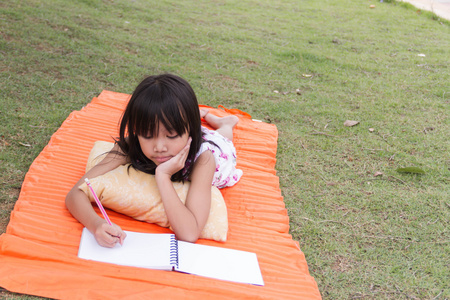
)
(367, 230)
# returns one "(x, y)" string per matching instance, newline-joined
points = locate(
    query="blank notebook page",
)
(138, 250)
(219, 263)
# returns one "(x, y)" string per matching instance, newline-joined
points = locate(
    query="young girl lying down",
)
(161, 134)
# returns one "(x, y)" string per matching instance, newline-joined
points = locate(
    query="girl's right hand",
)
(109, 235)
(176, 163)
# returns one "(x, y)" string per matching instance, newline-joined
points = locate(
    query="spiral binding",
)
(174, 251)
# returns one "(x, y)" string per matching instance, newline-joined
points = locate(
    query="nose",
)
(160, 145)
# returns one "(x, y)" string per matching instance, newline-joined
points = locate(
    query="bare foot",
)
(223, 125)
(219, 122)
(231, 121)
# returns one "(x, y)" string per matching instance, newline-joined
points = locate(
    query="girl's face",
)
(163, 145)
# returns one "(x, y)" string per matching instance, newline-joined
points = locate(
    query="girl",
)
(161, 134)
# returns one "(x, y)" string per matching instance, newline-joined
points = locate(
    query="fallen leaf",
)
(371, 129)
(350, 123)
(336, 41)
(306, 75)
(276, 92)
(377, 174)
(414, 170)
(25, 144)
(372, 6)
(428, 129)
(421, 55)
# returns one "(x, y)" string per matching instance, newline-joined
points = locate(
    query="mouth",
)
(161, 159)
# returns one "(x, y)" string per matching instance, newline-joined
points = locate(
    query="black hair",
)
(164, 98)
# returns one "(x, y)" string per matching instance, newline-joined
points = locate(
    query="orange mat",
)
(38, 252)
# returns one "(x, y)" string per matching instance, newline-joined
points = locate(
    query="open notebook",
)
(164, 252)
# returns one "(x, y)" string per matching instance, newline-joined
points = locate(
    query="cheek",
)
(145, 147)
(182, 143)
(180, 146)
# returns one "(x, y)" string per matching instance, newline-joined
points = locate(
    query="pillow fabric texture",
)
(135, 194)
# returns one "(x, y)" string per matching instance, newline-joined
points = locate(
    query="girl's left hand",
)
(176, 163)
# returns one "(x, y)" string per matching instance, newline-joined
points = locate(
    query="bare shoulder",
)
(204, 167)
(206, 159)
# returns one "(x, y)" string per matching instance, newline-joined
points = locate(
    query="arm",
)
(188, 220)
(78, 204)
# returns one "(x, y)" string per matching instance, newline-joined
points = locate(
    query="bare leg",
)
(223, 125)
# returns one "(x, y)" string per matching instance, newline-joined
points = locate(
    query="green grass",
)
(364, 236)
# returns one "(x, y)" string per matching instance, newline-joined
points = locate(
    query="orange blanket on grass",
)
(38, 252)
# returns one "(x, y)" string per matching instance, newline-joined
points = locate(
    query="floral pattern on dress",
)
(224, 153)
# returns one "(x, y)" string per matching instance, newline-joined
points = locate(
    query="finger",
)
(187, 147)
(182, 155)
(114, 231)
(122, 238)
(117, 232)
(107, 241)
(111, 239)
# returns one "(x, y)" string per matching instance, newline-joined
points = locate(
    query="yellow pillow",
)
(135, 194)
